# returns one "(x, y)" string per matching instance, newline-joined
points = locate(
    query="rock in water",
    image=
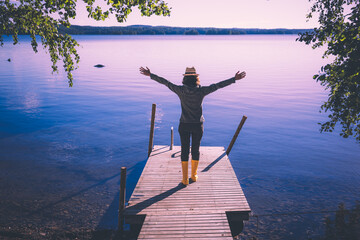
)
(99, 66)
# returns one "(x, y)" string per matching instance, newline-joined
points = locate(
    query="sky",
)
(220, 14)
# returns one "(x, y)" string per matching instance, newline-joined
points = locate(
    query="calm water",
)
(62, 146)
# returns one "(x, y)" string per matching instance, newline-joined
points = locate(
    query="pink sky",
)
(222, 14)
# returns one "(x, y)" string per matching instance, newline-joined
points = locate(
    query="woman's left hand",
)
(144, 71)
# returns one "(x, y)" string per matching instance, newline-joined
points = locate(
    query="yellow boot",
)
(185, 168)
(194, 167)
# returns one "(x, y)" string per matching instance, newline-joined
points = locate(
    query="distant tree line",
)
(163, 30)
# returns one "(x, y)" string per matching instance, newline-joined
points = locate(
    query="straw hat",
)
(190, 71)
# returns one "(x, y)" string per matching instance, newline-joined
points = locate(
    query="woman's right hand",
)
(240, 75)
(144, 71)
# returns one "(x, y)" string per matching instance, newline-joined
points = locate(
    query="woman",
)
(191, 96)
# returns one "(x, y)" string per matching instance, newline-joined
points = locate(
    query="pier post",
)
(172, 138)
(236, 134)
(122, 197)
(152, 126)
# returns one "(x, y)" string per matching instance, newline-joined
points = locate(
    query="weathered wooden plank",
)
(193, 212)
(181, 230)
(184, 235)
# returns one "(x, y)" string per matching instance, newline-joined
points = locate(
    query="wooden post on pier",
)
(122, 197)
(152, 126)
(236, 134)
(172, 138)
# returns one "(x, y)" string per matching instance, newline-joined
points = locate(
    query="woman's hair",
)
(190, 80)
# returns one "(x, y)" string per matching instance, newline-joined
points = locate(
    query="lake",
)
(61, 148)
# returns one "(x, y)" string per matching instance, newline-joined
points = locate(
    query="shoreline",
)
(165, 30)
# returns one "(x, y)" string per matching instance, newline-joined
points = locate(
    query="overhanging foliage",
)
(339, 31)
(44, 17)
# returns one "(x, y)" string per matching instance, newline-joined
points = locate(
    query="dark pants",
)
(195, 131)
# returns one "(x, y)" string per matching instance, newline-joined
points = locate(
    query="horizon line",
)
(134, 25)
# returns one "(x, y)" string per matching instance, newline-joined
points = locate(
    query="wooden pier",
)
(214, 207)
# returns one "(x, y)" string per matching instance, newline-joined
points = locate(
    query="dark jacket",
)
(191, 98)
